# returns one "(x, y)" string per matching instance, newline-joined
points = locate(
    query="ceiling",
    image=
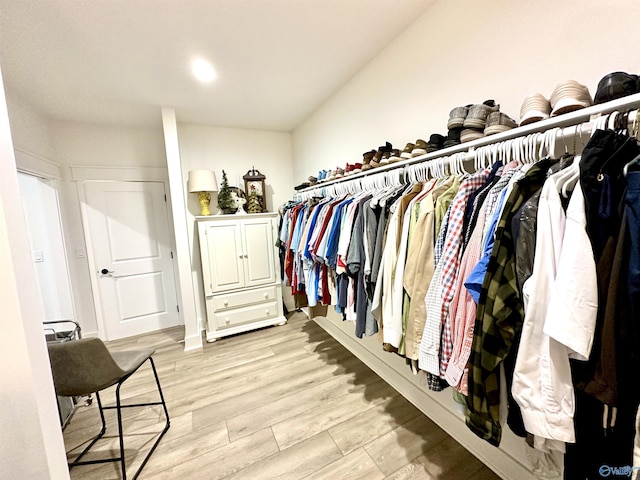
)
(118, 61)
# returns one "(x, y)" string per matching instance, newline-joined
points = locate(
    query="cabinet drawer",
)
(240, 299)
(243, 315)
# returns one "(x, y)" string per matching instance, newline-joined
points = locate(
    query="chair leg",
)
(166, 414)
(120, 432)
(118, 407)
(95, 439)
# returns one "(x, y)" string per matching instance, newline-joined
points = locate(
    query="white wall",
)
(30, 435)
(466, 51)
(235, 151)
(29, 129)
(84, 144)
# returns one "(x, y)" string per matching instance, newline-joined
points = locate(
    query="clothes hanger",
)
(452, 162)
(570, 179)
(539, 146)
(424, 167)
(635, 127)
(458, 164)
(631, 164)
(528, 143)
(548, 144)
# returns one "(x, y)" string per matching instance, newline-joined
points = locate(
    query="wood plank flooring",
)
(284, 402)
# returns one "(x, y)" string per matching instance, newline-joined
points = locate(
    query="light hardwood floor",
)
(284, 402)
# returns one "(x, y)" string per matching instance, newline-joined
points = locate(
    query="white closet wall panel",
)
(442, 61)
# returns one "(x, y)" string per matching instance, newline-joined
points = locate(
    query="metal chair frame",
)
(118, 407)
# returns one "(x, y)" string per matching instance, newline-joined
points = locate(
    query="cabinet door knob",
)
(246, 255)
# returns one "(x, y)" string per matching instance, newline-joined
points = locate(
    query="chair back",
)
(82, 367)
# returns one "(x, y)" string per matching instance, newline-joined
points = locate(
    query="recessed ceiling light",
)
(203, 70)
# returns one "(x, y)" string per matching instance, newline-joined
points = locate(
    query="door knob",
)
(104, 271)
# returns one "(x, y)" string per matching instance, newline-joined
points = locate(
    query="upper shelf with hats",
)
(473, 126)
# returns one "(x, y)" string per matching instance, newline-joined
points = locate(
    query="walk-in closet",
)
(320, 239)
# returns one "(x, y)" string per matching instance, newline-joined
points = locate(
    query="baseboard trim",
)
(194, 342)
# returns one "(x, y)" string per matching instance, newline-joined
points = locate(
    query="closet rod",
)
(583, 115)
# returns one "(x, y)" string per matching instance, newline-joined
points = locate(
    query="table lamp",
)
(203, 182)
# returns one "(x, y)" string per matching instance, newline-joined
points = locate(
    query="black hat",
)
(616, 85)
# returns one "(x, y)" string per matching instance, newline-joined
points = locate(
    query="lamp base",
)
(205, 199)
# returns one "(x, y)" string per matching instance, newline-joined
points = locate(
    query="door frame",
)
(29, 163)
(85, 175)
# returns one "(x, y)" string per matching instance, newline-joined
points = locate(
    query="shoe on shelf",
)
(469, 134)
(457, 116)
(339, 172)
(357, 168)
(348, 169)
(453, 137)
(302, 185)
(499, 122)
(394, 156)
(436, 142)
(420, 148)
(406, 153)
(376, 161)
(477, 116)
(366, 160)
(313, 180)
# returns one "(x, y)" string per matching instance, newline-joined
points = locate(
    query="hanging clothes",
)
(499, 315)
(485, 283)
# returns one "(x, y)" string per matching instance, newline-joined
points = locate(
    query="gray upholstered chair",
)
(86, 366)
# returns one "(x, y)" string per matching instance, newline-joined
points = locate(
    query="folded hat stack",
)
(535, 107)
(569, 96)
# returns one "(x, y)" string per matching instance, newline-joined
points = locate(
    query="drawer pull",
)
(226, 303)
(266, 312)
(266, 295)
(227, 321)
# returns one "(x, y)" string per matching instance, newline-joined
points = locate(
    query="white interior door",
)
(130, 244)
(44, 228)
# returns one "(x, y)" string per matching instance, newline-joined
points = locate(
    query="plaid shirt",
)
(442, 235)
(451, 257)
(499, 316)
(428, 353)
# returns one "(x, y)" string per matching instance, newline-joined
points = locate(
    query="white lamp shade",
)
(202, 181)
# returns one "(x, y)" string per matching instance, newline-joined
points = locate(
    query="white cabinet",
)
(240, 273)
